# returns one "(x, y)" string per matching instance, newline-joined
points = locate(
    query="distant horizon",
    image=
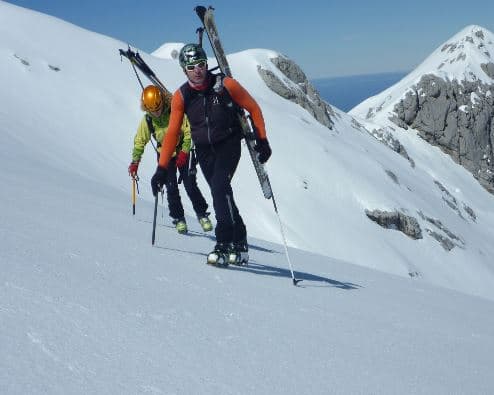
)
(378, 73)
(326, 40)
(345, 92)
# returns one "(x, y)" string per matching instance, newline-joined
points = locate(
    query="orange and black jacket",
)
(210, 114)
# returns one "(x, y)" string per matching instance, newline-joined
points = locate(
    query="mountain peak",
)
(466, 56)
(473, 31)
(448, 101)
(471, 39)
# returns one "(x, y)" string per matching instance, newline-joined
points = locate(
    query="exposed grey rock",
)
(447, 194)
(23, 61)
(297, 88)
(488, 68)
(457, 117)
(480, 34)
(452, 202)
(290, 69)
(396, 220)
(449, 47)
(392, 176)
(470, 212)
(449, 199)
(387, 139)
(449, 241)
(446, 243)
(357, 125)
(397, 121)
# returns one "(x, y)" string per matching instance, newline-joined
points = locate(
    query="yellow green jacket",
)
(160, 124)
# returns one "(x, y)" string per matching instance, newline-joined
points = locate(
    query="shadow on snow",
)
(307, 278)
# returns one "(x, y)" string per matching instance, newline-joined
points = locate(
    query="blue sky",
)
(326, 38)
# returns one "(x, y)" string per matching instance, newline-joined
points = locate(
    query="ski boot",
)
(205, 222)
(180, 225)
(220, 255)
(239, 253)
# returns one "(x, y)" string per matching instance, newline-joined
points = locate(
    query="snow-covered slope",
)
(71, 103)
(87, 306)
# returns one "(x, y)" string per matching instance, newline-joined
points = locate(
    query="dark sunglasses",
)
(200, 64)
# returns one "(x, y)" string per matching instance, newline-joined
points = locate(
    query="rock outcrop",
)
(396, 220)
(295, 87)
(457, 117)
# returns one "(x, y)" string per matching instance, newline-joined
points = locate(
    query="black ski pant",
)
(190, 184)
(218, 164)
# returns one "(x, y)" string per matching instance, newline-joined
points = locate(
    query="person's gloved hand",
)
(182, 158)
(134, 165)
(159, 179)
(262, 146)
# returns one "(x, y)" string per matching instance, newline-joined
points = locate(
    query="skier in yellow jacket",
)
(156, 104)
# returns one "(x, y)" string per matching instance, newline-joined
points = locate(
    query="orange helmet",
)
(152, 98)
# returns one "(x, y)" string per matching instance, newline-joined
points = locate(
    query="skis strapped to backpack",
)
(248, 131)
(136, 61)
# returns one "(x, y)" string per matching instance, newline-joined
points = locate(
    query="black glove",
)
(159, 179)
(262, 146)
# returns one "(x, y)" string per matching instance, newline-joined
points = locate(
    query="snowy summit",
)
(467, 56)
(449, 101)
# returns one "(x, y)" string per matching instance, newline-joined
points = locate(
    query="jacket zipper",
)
(207, 121)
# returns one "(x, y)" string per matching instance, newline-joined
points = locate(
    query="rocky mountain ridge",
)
(449, 101)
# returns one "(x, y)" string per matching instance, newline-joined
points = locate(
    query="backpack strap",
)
(152, 131)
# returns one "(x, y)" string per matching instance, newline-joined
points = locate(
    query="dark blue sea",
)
(346, 92)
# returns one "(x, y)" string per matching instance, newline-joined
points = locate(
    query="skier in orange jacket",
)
(212, 103)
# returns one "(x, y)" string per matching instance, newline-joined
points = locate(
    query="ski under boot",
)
(180, 225)
(220, 255)
(239, 254)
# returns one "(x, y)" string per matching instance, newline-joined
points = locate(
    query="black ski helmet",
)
(191, 54)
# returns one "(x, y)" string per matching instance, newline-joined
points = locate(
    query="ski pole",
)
(154, 219)
(135, 186)
(133, 196)
(269, 194)
(294, 280)
(163, 205)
